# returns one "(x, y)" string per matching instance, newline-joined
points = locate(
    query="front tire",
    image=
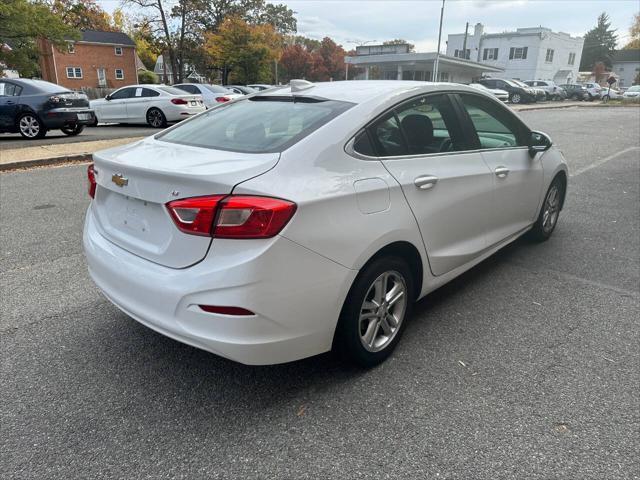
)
(156, 119)
(31, 127)
(516, 98)
(375, 312)
(549, 212)
(73, 131)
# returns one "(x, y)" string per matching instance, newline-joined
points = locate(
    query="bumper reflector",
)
(235, 311)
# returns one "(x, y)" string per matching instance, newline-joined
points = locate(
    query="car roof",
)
(360, 91)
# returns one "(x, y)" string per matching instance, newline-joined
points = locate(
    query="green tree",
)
(244, 53)
(22, 24)
(599, 44)
(399, 41)
(81, 14)
(634, 33)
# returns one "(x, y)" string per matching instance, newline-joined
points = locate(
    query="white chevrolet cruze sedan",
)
(284, 224)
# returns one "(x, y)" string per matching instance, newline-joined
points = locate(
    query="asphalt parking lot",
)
(526, 367)
(101, 132)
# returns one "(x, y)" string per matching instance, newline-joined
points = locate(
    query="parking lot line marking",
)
(602, 161)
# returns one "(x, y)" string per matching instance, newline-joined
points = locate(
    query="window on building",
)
(518, 53)
(74, 72)
(118, 51)
(460, 54)
(549, 57)
(572, 58)
(119, 74)
(71, 47)
(490, 54)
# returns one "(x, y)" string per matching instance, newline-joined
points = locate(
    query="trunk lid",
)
(71, 100)
(136, 181)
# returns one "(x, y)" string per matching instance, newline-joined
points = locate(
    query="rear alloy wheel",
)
(375, 312)
(516, 98)
(31, 127)
(156, 118)
(72, 130)
(548, 217)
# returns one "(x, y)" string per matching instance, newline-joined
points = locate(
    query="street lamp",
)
(437, 62)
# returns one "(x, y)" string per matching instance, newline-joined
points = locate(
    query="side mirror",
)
(107, 98)
(539, 142)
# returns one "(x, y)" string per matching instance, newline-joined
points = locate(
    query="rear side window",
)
(363, 145)
(147, 92)
(256, 125)
(387, 137)
(10, 89)
(495, 127)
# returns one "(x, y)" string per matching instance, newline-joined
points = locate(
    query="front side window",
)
(74, 72)
(119, 74)
(518, 53)
(123, 93)
(495, 126)
(256, 125)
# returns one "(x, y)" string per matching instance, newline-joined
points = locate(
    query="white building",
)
(527, 54)
(165, 73)
(626, 66)
(394, 62)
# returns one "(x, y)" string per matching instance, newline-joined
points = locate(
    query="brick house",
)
(98, 59)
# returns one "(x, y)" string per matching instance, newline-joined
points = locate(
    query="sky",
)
(353, 22)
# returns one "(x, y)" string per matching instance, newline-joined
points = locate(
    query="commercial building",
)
(626, 66)
(98, 60)
(527, 54)
(395, 62)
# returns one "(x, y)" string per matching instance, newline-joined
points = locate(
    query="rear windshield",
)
(171, 90)
(256, 125)
(217, 89)
(46, 87)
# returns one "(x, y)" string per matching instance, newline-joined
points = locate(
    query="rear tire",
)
(375, 312)
(549, 212)
(156, 119)
(73, 131)
(31, 127)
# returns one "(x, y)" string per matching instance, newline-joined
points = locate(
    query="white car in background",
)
(593, 89)
(211, 94)
(551, 90)
(260, 86)
(501, 95)
(632, 92)
(155, 105)
(280, 226)
(607, 94)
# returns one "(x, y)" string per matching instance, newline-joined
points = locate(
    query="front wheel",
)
(548, 217)
(516, 98)
(156, 118)
(31, 127)
(73, 130)
(375, 312)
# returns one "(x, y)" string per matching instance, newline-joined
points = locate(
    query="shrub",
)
(145, 76)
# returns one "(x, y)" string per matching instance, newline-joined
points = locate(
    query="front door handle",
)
(425, 182)
(502, 172)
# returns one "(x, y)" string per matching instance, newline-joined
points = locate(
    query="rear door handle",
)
(502, 172)
(425, 182)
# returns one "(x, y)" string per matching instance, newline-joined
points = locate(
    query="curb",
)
(41, 162)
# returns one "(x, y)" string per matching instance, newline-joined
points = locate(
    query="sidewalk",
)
(56, 153)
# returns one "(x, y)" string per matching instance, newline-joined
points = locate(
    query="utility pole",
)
(275, 62)
(437, 62)
(464, 44)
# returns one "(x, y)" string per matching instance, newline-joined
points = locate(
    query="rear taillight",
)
(179, 101)
(232, 216)
(91, 177)
(222, 99)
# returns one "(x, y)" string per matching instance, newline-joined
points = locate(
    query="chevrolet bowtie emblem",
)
(119, 180)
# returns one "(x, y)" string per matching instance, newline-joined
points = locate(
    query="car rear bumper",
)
(175, 113)
(296, 296)
(61, 117)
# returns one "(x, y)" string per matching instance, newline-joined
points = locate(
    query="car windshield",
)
(256, 125)
(217, 89)
(479, 86)
(171, 90)
(519, 83)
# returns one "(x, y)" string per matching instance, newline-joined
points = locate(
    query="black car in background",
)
(575, 91)
(32, 107)
(517, 93)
